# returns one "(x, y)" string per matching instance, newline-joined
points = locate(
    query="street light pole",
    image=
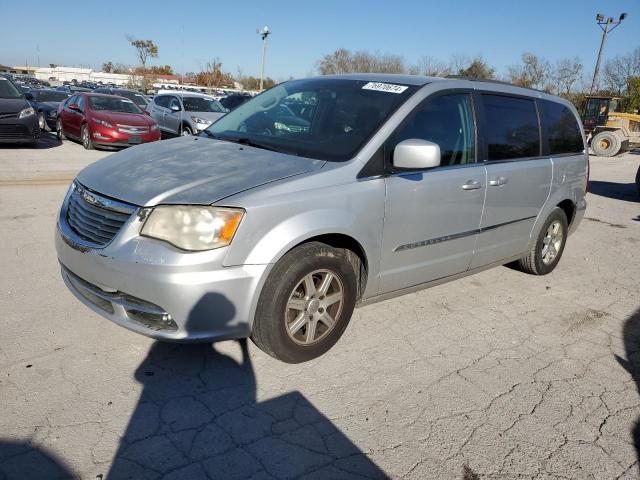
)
(264, 33)
(607, 26)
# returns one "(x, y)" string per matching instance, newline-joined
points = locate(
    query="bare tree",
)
(565, 75)
(431, 67)
(532, 73)
(619, 69)
(343, 61)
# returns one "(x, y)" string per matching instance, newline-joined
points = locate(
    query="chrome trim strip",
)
(446, 238)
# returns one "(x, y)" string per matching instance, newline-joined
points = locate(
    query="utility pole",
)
(607, 26)
(264, 33)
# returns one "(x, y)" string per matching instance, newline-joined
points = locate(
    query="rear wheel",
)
(86, 138)
(59, 133)
(547, 250)
(606, 144)
(306, 303)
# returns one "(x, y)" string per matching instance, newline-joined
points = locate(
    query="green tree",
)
(478, 68)
(145, 49)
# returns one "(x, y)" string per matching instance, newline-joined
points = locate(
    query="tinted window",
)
(8, 89)
(448, 121)
(563, 131)
(51, 96)
(162, 101)
(511, 127)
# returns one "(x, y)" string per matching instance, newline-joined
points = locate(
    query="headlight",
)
(27, 112)
(204, 121)
(281, 126)
(103, 123)
(193, 227)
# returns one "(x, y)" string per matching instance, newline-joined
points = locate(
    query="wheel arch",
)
(569, 208)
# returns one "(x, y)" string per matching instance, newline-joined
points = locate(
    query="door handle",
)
(472, 185)
(496, 182)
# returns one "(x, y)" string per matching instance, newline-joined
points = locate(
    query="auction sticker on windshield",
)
(385, 87)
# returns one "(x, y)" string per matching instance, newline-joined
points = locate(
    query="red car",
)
(104, 121)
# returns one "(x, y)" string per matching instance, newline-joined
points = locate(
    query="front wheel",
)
(547, 250)
(86, 138)
(59, 132)
(186, 131)
(306, 303)
(41, 122)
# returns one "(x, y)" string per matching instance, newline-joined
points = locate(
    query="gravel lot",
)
(499, 375)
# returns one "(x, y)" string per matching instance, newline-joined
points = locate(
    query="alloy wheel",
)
(314, 307)
(552, 242)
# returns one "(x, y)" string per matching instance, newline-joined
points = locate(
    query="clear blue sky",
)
(89, 33)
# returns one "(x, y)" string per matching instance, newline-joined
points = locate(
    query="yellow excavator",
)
(609, 131)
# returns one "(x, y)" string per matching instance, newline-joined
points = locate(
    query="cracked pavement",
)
(498, 375)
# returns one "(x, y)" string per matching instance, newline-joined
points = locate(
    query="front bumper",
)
(154, 289)
(108, 137)
(19, 130)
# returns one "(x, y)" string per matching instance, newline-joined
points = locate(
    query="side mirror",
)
(174, 108)
(416, 154)
(28, 96)
(74, 106)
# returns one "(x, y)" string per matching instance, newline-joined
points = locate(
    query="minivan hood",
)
(189, 170)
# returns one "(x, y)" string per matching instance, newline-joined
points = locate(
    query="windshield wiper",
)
(247, 141)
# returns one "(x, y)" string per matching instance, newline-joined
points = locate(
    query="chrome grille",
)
(133, 129)
(94, 218)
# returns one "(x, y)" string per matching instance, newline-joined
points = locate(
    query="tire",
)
(290, 317)
(42, 123)
(186, 131)
(638, 180)
(59, 132)
(606, 144)
(540, 260)
(86, 138)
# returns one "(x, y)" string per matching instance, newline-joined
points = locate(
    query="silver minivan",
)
(184, 113)
(320, 195)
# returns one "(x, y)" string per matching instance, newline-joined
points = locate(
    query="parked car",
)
(184, 113)
(46, 103)
(234, 100)
(69, 89)
(104, 120)
(400, 183)
(136, 97)
(18, 120)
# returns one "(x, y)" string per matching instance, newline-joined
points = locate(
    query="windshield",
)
(202, 104)
(8, 89)
(328, 119)
(113, 104)
(44, 96)
(137, 98)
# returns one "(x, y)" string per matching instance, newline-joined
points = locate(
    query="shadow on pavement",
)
(199, 417)
(45, 141)
(20, 460)
(617, 191)
(631, 336)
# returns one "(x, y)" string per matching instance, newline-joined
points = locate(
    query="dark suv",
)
(18, 120)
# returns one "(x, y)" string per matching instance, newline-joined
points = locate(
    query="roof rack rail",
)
(489, 80)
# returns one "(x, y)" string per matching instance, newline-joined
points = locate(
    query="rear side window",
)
(511, 126)
(562, 127)
(162, 101)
